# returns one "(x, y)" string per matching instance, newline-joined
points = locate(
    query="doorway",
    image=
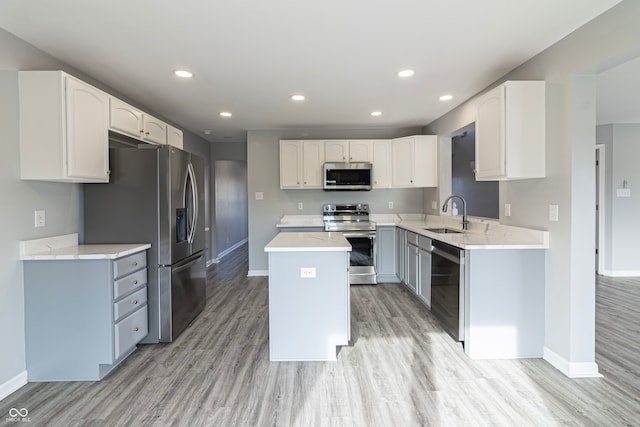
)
(600, 211)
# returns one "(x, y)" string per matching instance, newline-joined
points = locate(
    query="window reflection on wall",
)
(482, 196)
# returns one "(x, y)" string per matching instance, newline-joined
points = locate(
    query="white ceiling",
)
(249, 56)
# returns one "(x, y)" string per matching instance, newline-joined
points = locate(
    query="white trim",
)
(231, 249)
(211, 262)
(621, 273)
(257, 273)
(601, 156)
(13, 384)
(571, 369)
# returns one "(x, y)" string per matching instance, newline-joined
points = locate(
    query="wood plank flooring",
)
(400, 370)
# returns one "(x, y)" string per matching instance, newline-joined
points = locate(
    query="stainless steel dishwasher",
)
(447, 287)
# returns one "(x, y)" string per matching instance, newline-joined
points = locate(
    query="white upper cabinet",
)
(130, 121)
(415, 161)
(338, 150)
(510, 132)
(175, 137)
(381, 168)
(301, 164)
(64, 126)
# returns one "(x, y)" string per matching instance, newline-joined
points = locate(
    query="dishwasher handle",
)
(446, 255)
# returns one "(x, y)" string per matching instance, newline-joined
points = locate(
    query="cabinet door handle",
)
(134, 263)
(136, 329)
(141, 131)
(146, 133)
(135, 302)
(135, 282)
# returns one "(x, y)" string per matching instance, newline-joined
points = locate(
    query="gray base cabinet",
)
(386, 257)
(83, 316)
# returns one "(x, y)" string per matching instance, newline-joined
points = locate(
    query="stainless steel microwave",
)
(354, 176)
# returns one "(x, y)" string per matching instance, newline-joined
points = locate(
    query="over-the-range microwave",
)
(355, 176)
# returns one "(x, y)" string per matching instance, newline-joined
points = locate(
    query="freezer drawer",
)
(182, 295)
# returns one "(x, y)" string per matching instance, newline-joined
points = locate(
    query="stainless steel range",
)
(352, 220)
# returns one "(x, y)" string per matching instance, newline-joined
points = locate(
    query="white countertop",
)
(313, 241)
(66, 248)
(482, 234)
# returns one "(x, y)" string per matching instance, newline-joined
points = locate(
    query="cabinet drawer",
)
(129, 304)
(412, 238)
(126, 265)
(129, 283)
(424, 242)
(129, 331)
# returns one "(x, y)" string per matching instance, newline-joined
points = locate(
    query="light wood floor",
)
(401, 370)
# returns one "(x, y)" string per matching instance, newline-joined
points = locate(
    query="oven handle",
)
(445, 255)
(369, 234)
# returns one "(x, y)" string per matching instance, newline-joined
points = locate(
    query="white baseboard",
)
(621, 273)
(231, 249)
(572, 370)
(13, 384)
(258, 273)
(211, 262)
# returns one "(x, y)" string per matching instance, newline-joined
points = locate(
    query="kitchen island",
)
(501, 276)
(309, 303)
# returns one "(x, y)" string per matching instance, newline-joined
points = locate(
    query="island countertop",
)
(313, 241)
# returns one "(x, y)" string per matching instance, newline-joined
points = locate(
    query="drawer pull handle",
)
(135, 282)
(136, 329)
(134, 263)
(135, 302)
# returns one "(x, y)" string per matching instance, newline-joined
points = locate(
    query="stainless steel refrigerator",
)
(155, 195)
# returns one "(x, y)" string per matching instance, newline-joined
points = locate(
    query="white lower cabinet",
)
(83, 316)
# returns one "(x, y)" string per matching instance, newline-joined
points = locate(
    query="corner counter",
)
(309, 302)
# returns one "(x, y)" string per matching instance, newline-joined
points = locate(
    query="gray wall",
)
(230, 204)
(61, 201)
(622, 152)
(481, 196)
(263, 161)
(569, 69)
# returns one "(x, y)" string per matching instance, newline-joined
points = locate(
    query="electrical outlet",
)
(259, 195)
(507, 209)
(390, 205)
(553, 212)
(308, 272)
(300, 206)
(434, 205)
(39, 219)
(623, 192)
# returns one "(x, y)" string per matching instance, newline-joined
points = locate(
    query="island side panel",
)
(308, 317)
(504, 303)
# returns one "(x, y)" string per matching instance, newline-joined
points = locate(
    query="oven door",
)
(362, 260)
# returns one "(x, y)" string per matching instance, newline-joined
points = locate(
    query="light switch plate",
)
(623, 192)
(553, 212)
(259, 195)
(434, 205)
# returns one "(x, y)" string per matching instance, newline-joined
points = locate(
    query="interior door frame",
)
(600, 201)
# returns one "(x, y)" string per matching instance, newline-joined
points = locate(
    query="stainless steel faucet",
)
(465, 222)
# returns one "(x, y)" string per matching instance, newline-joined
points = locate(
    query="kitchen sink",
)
(442, 230)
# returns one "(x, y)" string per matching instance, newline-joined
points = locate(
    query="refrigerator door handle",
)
(194, 194)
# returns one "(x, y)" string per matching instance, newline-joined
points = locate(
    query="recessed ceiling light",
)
(406, 73)
(225, 114)
(297, 97)
(183, 73)
(376, 113)
(446, 97)
(206, 132)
